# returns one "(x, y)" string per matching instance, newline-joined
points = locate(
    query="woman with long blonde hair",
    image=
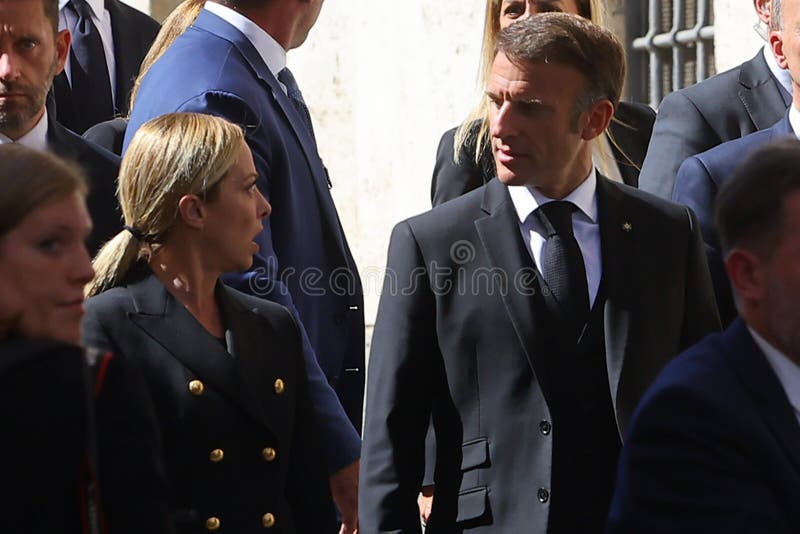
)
(226, 370)
(464, 159)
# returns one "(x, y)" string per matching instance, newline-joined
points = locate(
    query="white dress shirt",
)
(783, 76)
(794, 120)
(36, 138)
(787, 371)
(102, 20)
(269, 49)
(585, 226)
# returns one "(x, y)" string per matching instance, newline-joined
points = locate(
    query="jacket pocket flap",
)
(471, 504)
(474, 453)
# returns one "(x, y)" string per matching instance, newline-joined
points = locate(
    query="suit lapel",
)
(500, 236)
(211, 23)
(759, 93)
(617, 246)
(760, 380)
(170, 324)
(250, 342)
(127, 68)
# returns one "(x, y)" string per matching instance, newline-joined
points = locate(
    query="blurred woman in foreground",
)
(80, 449)
(225, 369)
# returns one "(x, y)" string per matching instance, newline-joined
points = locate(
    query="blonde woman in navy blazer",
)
(225, 370)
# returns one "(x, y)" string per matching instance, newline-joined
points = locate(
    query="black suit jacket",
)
(109, 134)
(209, 399)
(101, 168)
(133, 33)
(456, 339)
(45, 400)
(724, 107)
(629, 132)
(713, 447)
(696, 186)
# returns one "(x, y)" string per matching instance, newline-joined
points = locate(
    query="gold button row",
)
(267, 520)
(197, 388)
(268, 453)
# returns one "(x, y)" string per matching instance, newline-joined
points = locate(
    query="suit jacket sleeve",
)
(308, 488)
(695, 188)
(401, 376)
(701, 316)
(680, 131)
(681, 471)
(450, 179)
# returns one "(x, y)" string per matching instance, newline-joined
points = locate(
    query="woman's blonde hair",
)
(30, 178)
(173, 26)
(170, 156)
(467, 134)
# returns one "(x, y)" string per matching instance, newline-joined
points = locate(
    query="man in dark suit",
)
(109, 42)
(748, 98)
(528, 316)
(715, 444)
(231, 63)
(24, 82)
(700, 176)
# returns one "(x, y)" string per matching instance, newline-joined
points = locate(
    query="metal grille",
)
(676, 47)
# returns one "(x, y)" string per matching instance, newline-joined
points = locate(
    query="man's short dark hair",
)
(750, 208)
(51, 12)
(573, 41)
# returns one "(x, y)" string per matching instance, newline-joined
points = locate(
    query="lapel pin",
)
(627, 226)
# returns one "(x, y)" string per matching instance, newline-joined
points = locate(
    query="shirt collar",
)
(268, 48)
(783, 76)
(528, 199)
(794, 120)
(788, 372)
(97, 6)
(36, 138)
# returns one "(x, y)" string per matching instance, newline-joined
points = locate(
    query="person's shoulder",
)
(712, 91)
(456, 212)
(652, 207)
(112, 301)
(68, 143)
(263, 308)
(135, 18)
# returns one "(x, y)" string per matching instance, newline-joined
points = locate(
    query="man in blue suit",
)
(700, 177)
(231, 63)
(714, 445)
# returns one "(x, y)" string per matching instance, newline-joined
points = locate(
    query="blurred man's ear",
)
(63, 40)
(763, 10)
(597, 118)
(746, 275)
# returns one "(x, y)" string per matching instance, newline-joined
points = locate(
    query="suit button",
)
(543, 495)
(269, 454)
(196, 388)
(268, 520)
(216, 455)
(280, 386)
(545, 427)
(212, 523)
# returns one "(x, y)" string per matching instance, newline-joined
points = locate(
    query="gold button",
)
(216, 455)
(280, 387)
(269, 454)
(268, 520)
(196, 388)
(212, 523)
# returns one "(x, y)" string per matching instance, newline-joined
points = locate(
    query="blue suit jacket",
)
(213, 68)
(714, 446)
(696, 186)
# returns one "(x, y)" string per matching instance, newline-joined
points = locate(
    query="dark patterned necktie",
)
(91, 86)
(562, 261)
(296, 97)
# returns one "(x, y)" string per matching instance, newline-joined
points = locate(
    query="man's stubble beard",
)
(34, 99)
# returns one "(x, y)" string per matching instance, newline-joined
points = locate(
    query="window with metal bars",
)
(673, 47)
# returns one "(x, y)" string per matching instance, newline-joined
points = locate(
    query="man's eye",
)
(28, 44)
(50, 245)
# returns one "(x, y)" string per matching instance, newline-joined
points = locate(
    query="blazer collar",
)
(758, 378)
(759, 92)
(162, 317)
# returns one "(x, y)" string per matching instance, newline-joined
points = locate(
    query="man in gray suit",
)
(730, 105)
(527, 317)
